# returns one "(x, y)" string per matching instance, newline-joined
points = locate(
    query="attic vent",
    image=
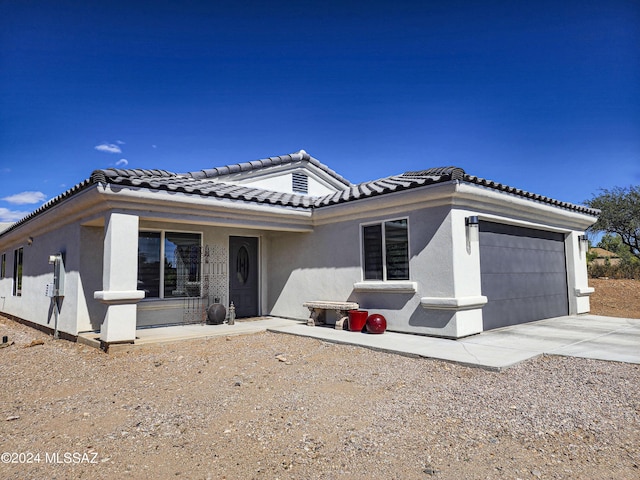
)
(300, 182)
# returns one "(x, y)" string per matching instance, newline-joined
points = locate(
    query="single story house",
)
(437, 252)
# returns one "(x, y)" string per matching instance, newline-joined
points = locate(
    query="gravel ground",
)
(278, 406)
(615, 297)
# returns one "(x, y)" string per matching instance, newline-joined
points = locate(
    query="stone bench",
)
(341, 309)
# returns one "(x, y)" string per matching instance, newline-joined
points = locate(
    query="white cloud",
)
(120, 142)
(108, 148)
(154, 146)
(24, 198)
(7, 215)
(123, 162)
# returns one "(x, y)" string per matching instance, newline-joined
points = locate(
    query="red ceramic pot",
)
(357, 320)
(376, 323)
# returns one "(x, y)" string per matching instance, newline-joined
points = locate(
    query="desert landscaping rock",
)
(280, 406)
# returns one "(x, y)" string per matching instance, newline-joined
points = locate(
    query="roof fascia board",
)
(73, 209)
(184, 207)
(494, 204)
(501, 204)
(433, 195)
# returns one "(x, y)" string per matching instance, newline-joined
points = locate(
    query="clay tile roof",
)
(300, 156)
(208, 183)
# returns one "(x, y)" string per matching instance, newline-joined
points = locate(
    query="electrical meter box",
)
(58, 275)
(50, 290)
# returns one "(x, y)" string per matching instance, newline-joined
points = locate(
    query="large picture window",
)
(169, 264)
(385, 248)
(17, 272)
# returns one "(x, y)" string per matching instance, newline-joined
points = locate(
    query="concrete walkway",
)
(174, 333)
(588, 336)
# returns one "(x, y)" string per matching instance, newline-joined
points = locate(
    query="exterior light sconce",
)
(583, 243)
(472, 225)
(471, 221)
(30, 241)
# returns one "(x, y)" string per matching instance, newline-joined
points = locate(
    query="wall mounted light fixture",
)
(30, 241)
(472, 225)
(471, 221)
(583, 242)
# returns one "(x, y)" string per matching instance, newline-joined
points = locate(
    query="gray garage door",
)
(523, 273)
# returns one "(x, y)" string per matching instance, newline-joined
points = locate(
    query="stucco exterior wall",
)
(91, 312)
(283, 183)
(33, 305)
(326, 265)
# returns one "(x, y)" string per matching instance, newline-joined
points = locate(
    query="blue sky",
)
(543, 96)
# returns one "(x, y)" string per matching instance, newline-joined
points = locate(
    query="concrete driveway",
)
(587, 336)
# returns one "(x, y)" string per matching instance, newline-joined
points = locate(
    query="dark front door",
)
(243, 272)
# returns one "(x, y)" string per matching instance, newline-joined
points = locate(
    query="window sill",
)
(392, 286)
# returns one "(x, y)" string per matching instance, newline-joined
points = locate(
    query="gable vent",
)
(300, 182)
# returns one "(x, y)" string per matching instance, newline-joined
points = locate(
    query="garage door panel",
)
(523, 285)
(492, 239)
(509, 260)
(507, 233)
(523, 274)
(517, 311)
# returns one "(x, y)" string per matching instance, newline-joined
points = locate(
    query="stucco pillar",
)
(464, 307)
(120, 278)
(577, 277)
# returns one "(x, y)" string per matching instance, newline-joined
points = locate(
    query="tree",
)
(619, 215)
(613, 243)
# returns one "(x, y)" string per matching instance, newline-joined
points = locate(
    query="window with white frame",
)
(169, 264)
(385, 250)
(17, 272)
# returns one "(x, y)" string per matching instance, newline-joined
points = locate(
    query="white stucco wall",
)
(326, 265)
(577, 276)
(283, 183)
(33, 305)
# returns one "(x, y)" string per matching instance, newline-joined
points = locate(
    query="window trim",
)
(3, 265)
(403, 285)
(163, 233)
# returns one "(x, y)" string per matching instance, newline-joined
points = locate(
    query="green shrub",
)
(622, 270)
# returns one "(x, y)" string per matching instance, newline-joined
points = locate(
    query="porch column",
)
(120, 278)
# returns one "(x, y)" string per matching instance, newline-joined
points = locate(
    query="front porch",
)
(175, 333)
